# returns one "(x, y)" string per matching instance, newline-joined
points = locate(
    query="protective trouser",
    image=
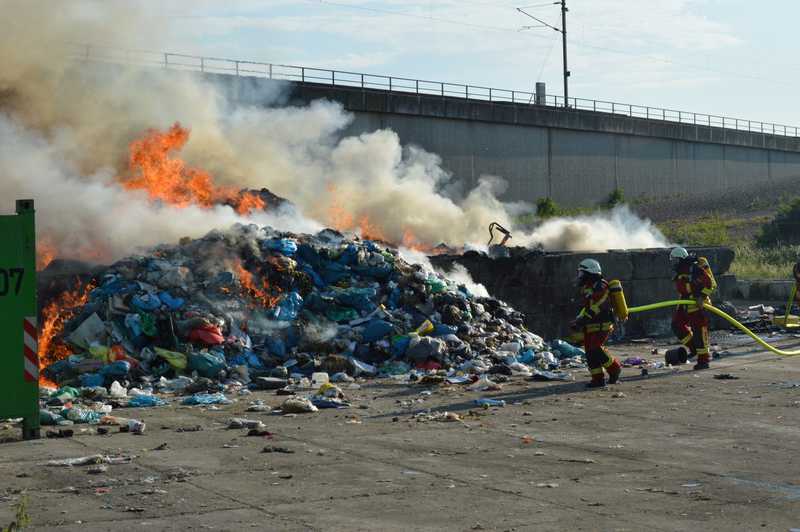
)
(597, 356)
(691, 328)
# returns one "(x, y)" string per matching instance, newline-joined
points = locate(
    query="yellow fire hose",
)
(721, 314)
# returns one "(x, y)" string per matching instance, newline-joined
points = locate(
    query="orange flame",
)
(370, 230)
(166, 178)
(263, 294)
(54, 317)
(343, 220)
(46, 251)
(249, 202)
(338, 216)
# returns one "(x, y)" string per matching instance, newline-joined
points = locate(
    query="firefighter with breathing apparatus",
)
(693, 280)
(596, 321)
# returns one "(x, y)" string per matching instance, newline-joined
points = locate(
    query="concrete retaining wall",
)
(575, 157)
(542, 285)
(763, 291)
(577, 167)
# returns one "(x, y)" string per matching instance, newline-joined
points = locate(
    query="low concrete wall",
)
(542, 285)
(763, 291)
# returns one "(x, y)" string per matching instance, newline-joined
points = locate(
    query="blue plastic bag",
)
(349, 256)
(145, 401)
(92, 380)
(118, 368)
(443, 330)
(207, 364)
(207, 399)
(289, 307)
(315, 277)
(565, 349)
(527, 356)
(285, 246)
(393, 301)
(400, 345)
(276, 346)
(253, 360)
(146, 302)
(172, 303)
(376, 329)
(360, 299)
(333, 272)
(134, 324)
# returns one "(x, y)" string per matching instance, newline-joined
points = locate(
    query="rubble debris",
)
(275, 449)
(486, 403)
(305, 316)
(278, 306)
(241, 423)
(298, 405)
(94, 459)
(424, 417)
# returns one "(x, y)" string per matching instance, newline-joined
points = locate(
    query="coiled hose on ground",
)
(721, 314)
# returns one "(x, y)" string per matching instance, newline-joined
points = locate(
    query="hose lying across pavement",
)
(721, 314)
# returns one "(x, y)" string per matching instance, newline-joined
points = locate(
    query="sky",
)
(734, 58)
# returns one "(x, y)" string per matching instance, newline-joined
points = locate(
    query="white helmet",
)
(677, 254)
(589, 266)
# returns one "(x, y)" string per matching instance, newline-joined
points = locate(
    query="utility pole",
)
(564, 45)
(563, 31)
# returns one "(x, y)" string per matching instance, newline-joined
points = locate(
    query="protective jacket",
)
(694, 280)
(596, 314)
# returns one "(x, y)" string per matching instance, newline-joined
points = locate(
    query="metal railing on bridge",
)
(343, 78)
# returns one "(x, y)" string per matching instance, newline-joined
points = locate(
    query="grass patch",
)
(756, 262)
(707, 231)
(785, 228)
(21, 517)
(753, 261)
(616, 197)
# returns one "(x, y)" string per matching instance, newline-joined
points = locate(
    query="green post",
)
(19, 371)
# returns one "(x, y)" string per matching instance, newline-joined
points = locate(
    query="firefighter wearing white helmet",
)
(596, 321)
(693, 280)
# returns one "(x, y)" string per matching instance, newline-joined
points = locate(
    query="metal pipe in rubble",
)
(721, 314)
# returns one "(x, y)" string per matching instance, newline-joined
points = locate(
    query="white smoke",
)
(92, 216)
(64, 139)
(618, 228)
(457, 274)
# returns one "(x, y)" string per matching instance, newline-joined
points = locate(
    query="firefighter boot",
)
(596, 383)
(702, 362)
(614, 371)
(598, 379)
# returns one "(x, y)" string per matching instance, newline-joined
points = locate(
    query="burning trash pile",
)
(255, 308)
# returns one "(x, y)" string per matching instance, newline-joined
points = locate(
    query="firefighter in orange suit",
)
(693, 280)
(596, 320)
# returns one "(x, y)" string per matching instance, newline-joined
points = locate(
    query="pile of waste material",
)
(255, 308)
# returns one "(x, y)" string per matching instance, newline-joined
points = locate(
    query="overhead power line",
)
(575, 42)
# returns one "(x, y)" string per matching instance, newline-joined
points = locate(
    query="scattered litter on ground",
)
(486, 403)
(424, 417)
(276, 449)
(92, 459)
